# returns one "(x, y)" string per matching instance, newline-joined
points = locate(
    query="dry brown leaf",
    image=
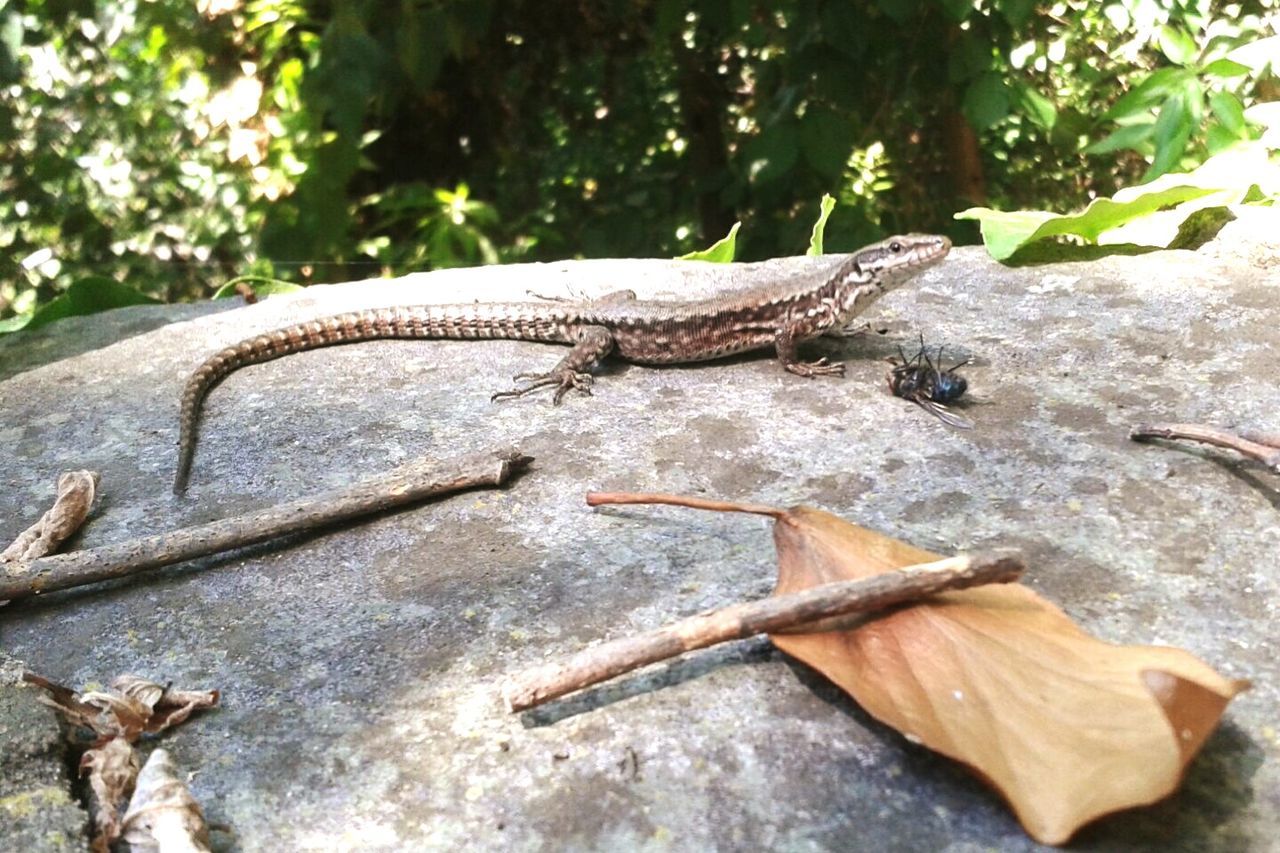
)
(121, 716)
(166, 706)
(131, 706)
(113, 769)
(104, 715)
(1066, 727)
(76, 491)
(136, 687)
(163, 816)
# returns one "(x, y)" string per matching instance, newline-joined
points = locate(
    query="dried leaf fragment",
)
(163, 816)
(76, 491)
(113, 770)
(1068, 728)
(114, 718)
(131, 706)
(104, 715)
(165, 706)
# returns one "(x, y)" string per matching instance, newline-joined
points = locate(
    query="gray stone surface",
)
(37, 811)
(360, 668)
(74, 335)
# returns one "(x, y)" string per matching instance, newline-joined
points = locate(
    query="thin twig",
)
(771, 615)
(404, 485)
(1265, 453)
(609, 498)
(1270, 439)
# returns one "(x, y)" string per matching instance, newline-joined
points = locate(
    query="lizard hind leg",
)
(592, 343)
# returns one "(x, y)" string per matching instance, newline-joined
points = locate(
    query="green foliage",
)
(450, 227)
(1197, 98)
(827, 205)
(176, 145)
(721, 251)
(1229, 178)
(108, 164)
(261, 286)
(88, 295)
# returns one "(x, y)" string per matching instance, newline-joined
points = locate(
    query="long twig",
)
(1261, 449)
(407, 484)
(771, 615)
(612, 498)
(1270, 439)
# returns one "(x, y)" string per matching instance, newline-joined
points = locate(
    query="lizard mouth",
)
(934, 250)
(925, 250)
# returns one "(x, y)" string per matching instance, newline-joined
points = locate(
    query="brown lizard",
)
(646, 332)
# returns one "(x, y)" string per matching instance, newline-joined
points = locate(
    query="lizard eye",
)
(895, 247)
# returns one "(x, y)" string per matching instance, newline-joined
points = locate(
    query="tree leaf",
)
(89, 295)
(1177, 45)
(819, 227)
(1229, 111)
(721, 251)
(1037, 107)
(1066, 727)
(957, 10)
(1258, 53)
(771, 155)
(826, 140)
(1004, 233)
(1224, 69)
(1170, 135)
(1230, 176)
(76, 493)
(16, 322)
(1016, 12)
(1193, 100)
(1218, 139)
(899, 10)
(1159, 84)
(113, 769)
(986, 101)
(1128, 136)
(262, 286)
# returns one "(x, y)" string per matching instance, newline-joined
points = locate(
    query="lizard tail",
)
(459, 322)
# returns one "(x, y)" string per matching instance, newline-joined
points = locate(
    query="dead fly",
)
(929, 386)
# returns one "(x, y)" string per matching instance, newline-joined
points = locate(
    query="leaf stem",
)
(608, 498)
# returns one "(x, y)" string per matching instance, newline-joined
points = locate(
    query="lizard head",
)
(898, 257)
(879, 268)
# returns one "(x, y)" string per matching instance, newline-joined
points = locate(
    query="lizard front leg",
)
(591, 344)
(786, 343)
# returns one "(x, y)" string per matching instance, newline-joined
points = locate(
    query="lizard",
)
(778, 315)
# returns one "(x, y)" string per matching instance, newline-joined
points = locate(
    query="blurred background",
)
(155, 150)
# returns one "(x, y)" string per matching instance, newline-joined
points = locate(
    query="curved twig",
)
(1263, 448)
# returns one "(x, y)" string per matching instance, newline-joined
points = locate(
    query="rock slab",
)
(360, 668)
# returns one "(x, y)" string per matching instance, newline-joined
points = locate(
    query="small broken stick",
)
(1261, 447)
(797, 611)
(405, 485)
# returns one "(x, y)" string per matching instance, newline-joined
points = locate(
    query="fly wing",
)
(942, 413)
